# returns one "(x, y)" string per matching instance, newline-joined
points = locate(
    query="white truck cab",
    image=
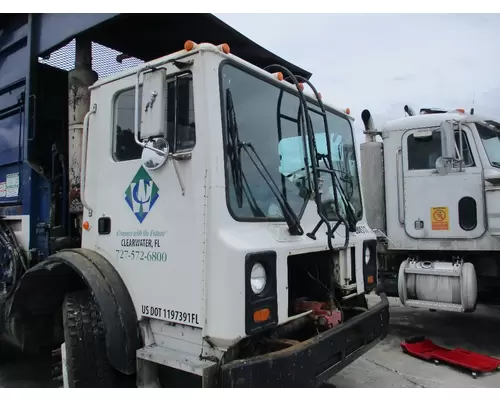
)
(435, 184)
(223, 236)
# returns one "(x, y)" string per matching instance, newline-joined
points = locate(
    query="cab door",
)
(150, 223)
(437, 206)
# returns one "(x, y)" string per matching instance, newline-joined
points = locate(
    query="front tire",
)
(85, 342)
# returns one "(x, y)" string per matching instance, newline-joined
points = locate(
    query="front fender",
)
(43, 287)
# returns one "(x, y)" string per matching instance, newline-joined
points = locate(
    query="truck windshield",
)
(266, 117)
(490, 136)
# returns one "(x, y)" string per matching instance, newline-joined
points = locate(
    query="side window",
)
(125, 147)
(424, 151)
(180, 125)
(467, 213)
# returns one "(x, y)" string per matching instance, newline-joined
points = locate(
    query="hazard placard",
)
(440, 218)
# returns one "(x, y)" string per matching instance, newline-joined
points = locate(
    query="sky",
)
(377, 61)
(384, 61)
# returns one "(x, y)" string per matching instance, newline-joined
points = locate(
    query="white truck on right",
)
(432, 181)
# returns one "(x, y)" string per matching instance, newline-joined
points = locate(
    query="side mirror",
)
(153, 104)
(156, 154)
(443, 166)
(447, 140)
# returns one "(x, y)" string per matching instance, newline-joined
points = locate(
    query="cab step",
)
(175, 359)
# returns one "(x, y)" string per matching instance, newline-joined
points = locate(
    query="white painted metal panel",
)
(432, 201)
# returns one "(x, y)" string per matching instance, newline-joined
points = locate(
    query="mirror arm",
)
(176, 111)
(179, 178)
(182, 156)
(136, 106)
(174, 160)
(461, 154)
(460, 140)
(157, 151)
(136, 126)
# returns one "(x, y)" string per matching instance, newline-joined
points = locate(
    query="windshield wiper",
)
(234, 151)
(240, 182)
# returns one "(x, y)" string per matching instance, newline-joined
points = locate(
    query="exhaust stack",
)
(79, 80)
(409, 111)
(372, 176)
(370, 131)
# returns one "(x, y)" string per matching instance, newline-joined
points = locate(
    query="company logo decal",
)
(141, 194)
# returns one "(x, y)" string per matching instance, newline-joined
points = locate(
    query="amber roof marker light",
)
(189, 45)
(278, 75)
(224, 47)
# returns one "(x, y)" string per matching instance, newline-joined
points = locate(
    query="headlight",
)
(368, 255)
(258, 278)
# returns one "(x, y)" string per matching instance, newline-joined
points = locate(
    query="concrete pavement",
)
(387, 366)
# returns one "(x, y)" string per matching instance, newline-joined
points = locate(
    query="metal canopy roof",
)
(149, 36)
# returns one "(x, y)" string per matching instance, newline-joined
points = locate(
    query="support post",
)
(79, 80)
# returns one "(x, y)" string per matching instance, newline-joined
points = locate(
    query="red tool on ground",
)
(425, 349)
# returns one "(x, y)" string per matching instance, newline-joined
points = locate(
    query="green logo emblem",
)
(141, 194)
